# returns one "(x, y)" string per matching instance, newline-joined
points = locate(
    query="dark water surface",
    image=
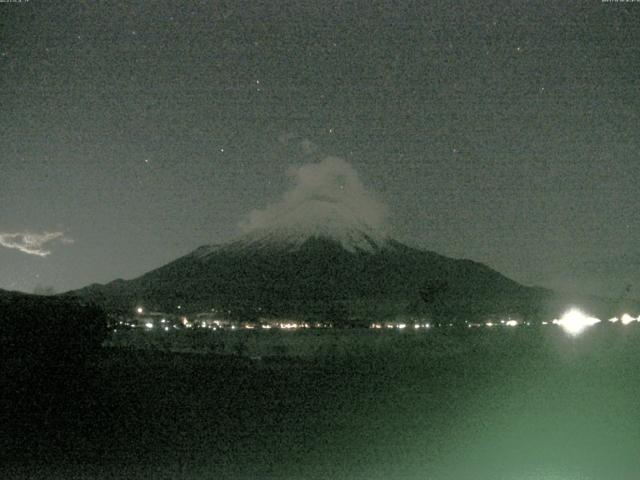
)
(521, 403)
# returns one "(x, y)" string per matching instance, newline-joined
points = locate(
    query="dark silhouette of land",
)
(47, 345)
(322, 281)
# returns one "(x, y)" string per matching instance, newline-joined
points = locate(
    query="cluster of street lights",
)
(573, 322)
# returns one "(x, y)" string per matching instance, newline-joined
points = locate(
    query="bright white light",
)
(401, 326)
(626, 319)
(574, 322)
(149, 325)
(613, 320)
(166, 329)
(489, 324)
(140, 310)
(545, 323)
(511, 323)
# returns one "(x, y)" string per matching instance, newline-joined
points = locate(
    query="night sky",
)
(133, 132)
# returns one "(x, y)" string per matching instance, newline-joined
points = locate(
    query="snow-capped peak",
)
(318, 218)
(327, 201)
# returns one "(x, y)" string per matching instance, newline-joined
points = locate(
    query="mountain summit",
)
(320, 218)
(327, 200)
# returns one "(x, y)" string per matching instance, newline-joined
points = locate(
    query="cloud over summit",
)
(328, 187)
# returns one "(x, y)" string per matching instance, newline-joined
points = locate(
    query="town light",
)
(626, 319)
(574, 322)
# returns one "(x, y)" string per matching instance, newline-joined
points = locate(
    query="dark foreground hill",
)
(46, 344)
(322, 279)
(52, 329)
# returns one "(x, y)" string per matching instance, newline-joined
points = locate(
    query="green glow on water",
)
(477, 404)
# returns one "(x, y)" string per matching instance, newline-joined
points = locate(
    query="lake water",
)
(521, 403)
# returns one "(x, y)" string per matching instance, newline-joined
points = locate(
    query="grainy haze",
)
(505, 133)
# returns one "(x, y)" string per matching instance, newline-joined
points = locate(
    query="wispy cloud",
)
(329, 181)
(296, 142)
(32, 243)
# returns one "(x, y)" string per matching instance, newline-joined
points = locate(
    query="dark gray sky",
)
(137, 131)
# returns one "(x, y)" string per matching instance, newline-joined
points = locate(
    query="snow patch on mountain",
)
(328, 200)
(321, 219)
(206, 250)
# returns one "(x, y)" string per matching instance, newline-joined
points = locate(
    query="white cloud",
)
(32, 243)
(332, 181)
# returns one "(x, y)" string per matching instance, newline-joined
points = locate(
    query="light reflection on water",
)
(561, 408)
(486, 404)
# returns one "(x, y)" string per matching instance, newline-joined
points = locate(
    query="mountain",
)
(332, 270)
(318, 217)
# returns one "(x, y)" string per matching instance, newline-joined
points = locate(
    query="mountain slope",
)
(347, 277)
